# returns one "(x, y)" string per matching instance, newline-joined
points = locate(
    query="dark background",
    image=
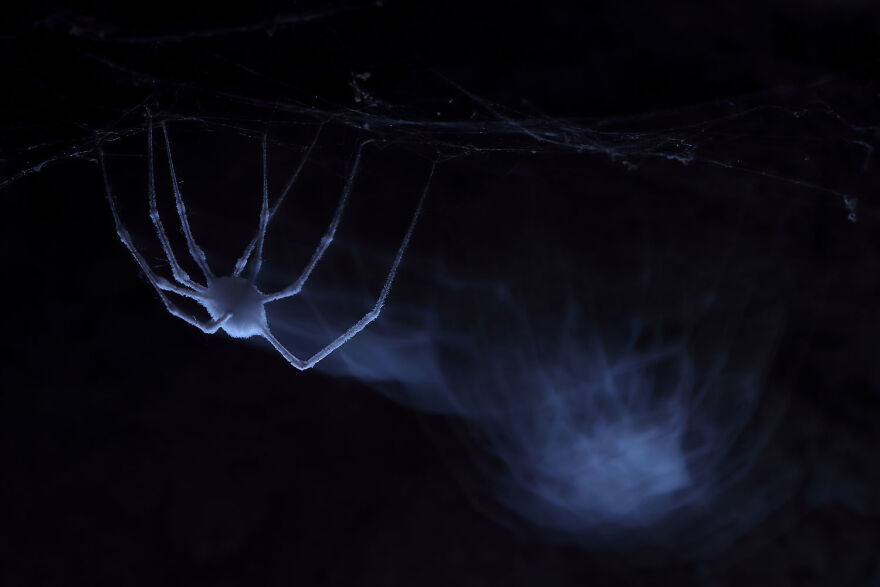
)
(134, 450)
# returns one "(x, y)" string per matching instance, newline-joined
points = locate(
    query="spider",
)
(234, 302)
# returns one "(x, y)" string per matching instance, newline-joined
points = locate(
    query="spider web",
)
(787, 134)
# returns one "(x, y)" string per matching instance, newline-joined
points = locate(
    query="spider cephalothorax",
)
(234, 303)
(241, 301)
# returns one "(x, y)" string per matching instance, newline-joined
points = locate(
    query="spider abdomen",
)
(241, 299)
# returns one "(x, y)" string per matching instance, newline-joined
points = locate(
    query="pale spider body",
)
(241, 301)
(234, 302)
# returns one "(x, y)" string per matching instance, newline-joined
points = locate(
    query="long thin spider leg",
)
(303, 364)
(297, 285)
(291, 358)
(289, 185)
(211, 326)
(264, 217)
(179, 272)
(197, 253)
(160, 284)
(261, 231)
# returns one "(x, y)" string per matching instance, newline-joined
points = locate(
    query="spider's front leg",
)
(195, 250)
(177, 271)
(159, 283)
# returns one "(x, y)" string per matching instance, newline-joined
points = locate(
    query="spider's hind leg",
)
(373, 313)
(322, 247)
(257, 260)
(266, 213)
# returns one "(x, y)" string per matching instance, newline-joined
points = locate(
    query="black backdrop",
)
(136, 450)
